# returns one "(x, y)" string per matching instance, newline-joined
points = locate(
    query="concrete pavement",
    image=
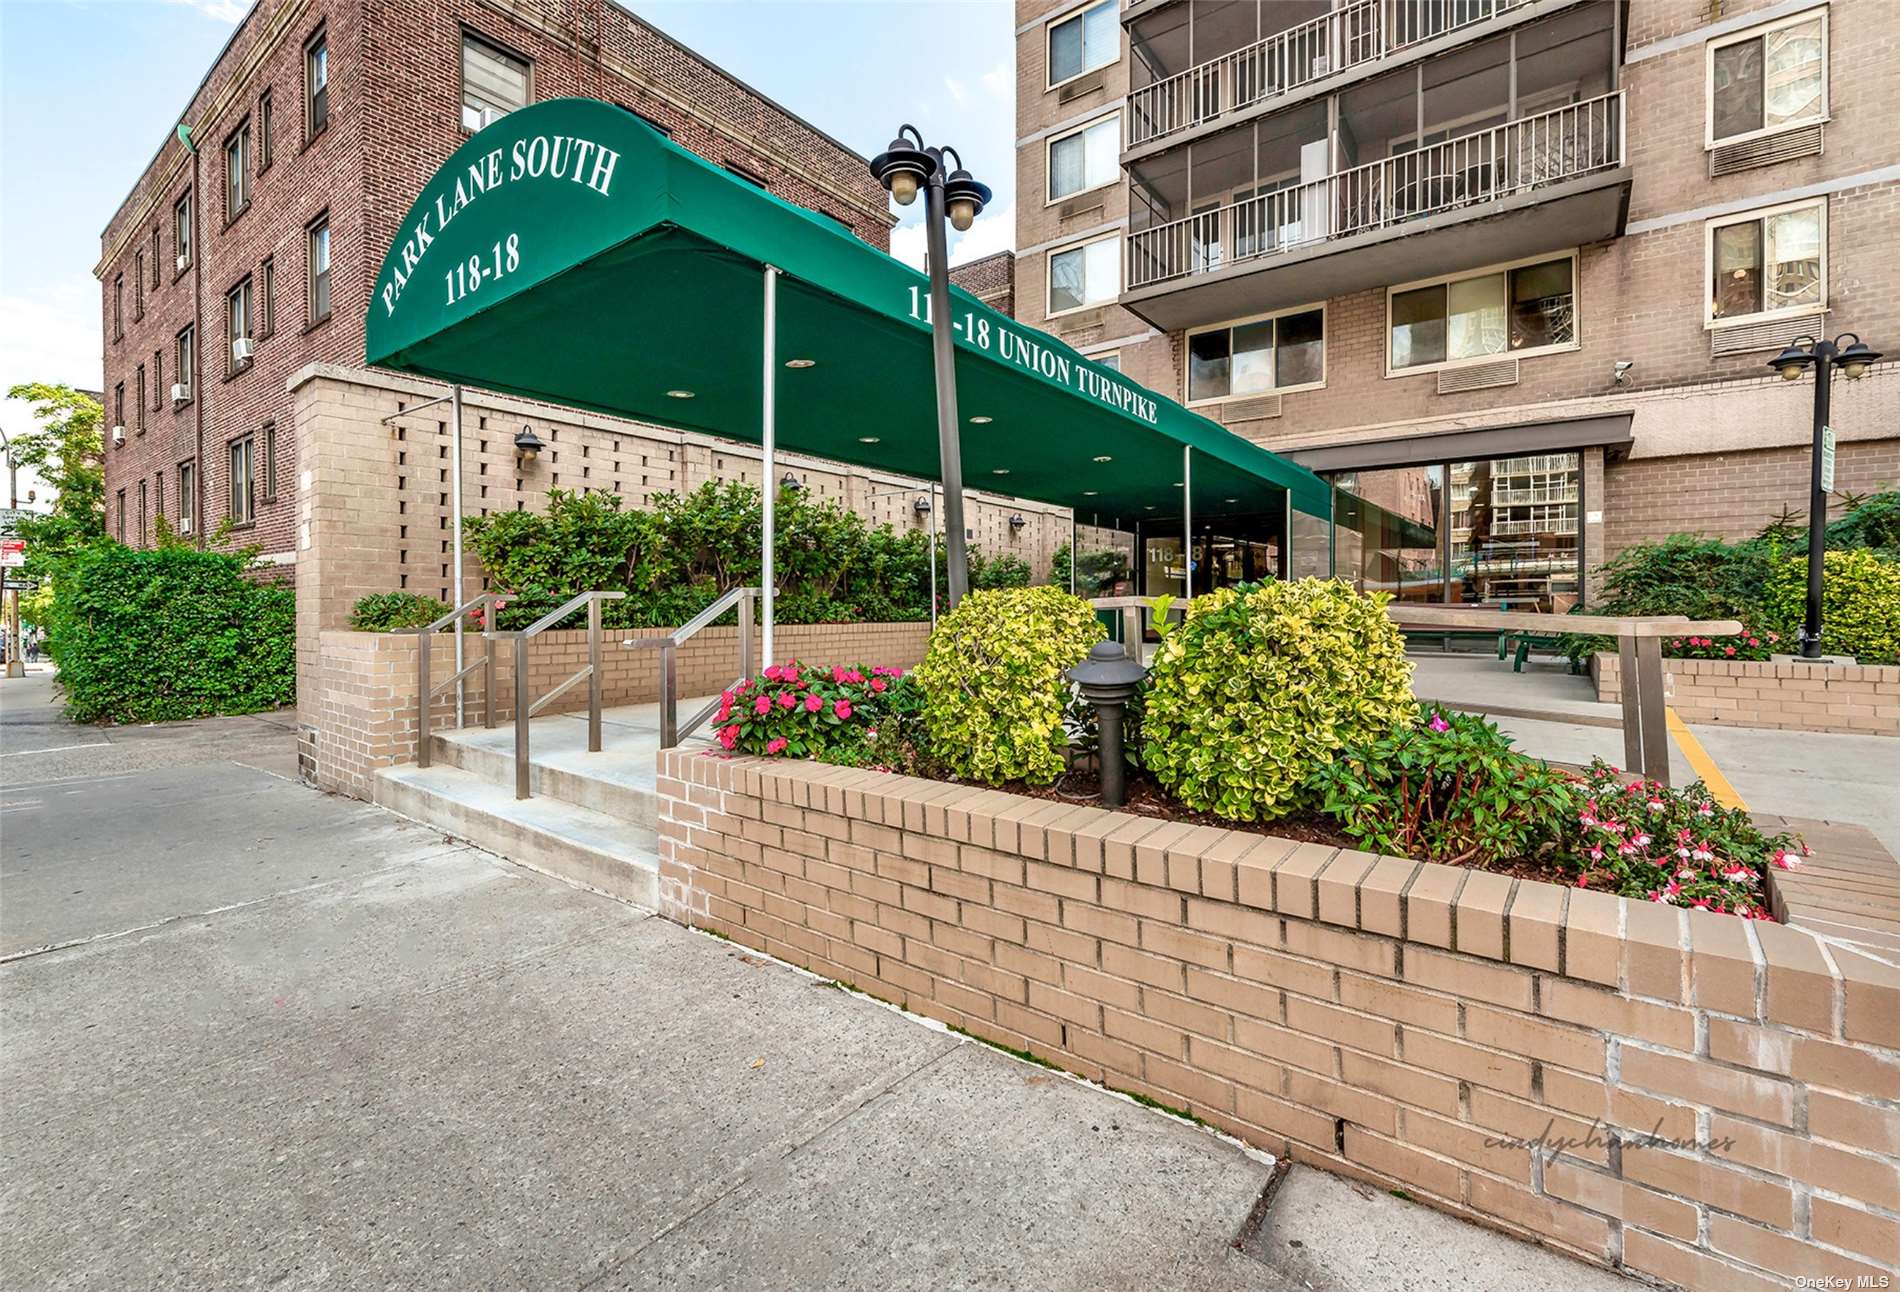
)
(256, 1035)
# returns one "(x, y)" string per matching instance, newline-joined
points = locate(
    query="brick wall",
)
(1860, 698)
(357, 705)
(1404, 1023)
(991, 280)
(394, 97)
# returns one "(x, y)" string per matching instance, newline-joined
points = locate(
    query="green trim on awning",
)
(571, 253)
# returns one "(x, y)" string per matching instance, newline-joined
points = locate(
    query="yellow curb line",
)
(1703, 765)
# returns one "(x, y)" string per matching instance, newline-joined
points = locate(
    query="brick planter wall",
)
(1409, 1024)
(363, 713)
(1860, 698)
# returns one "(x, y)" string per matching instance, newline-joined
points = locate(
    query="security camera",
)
(1620, 374)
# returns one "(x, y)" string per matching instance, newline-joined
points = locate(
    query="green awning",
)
(573, 254)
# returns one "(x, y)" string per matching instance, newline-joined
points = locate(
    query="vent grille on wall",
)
(1743, 338)
(1478, 376)
(1726, 159)
(1249, 410)
(1082, 85)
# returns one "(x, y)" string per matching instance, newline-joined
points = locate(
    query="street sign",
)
(1827, 459)
(12, 553)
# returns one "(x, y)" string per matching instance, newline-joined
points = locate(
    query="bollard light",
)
(1109, 679)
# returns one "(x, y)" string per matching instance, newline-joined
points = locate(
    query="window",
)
(119, 527)
(139, 393)
(237, 316)
(187, 356)
(158, 379)
(1768, 263)
(237, 185)
(1080, 276)
(1086, 158)
(1518, 309)
(118, 406)
(118, 307)
(1112, 360)
(181, 230)
(750, 177)
(317, 289)
(270, 462)
(157, 265)
(1091, 39)
(1768, 78)
(138, 286)
(158, 496)
(187, 496)
(316, 85)
(494, 82)
(142, 502)
(243, 499)
(1257, 356)
(267, 299)
(264, 124)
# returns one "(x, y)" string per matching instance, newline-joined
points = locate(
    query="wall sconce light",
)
(1016, 524)
(789, 483)
(921, 506)
(528, 446)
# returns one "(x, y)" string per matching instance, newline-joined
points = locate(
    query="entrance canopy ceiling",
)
(571, 253)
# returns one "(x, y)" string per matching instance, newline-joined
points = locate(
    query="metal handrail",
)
(525, 708)
(1467, 170)
(671, 732)
(425, 692)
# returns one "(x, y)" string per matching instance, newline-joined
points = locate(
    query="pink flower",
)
(729, 736)
(842, 708)
(1754, 641)
(776, 745)
(812, 703)
(879, 684)
(786, 699)
(762, 704)
(1438, 723)
(837, 673)
(790, 671)
(1784, 860)
(1728, 650)
(773, 673)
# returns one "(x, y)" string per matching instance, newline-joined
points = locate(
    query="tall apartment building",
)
(237, 260)
(1508, 270)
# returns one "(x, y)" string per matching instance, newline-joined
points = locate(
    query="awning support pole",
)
(1187, 521)
(1075, 555)
(768, 438)
(933, 557)
(949, 438)
(455, 540)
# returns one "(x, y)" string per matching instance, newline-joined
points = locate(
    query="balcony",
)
(1356, 35)
(1539, 183)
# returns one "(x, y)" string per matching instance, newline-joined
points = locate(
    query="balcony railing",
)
(1358, 33)
(1505, 496)
(1465, 171)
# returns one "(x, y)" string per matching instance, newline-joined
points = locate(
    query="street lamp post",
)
(955, 195)
(1854, 359)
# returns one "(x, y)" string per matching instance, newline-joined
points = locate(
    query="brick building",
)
(1511, 270)
(311, 135)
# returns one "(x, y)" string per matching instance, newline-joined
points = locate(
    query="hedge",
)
(168, 633)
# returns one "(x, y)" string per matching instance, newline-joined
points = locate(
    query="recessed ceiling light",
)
(1230, 500)
(867, 439)
(679, 394)
(981, 420)
(800, 363)
(999, 471)
(1103, 457)
(1147, 508)
(1177, 484)
(1088, 493)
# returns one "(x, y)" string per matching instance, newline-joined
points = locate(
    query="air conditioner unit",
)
(242, 349)
(180, 392)
(118, 435)
(182, 262)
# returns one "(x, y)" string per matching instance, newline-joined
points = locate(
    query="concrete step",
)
(617, 781)
(607, 853)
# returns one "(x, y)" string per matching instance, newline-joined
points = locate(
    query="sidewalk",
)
(1788, 773)
(271, 1036)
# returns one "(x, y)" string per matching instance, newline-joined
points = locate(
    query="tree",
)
(68, 453)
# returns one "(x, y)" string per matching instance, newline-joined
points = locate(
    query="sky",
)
(90, 88)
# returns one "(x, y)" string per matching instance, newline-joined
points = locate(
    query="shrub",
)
(1264, 682)
(1447, 787)
(1003, 571)
(1746, 645)
(801, 710)
(1860, 604)
(1642, 839)
(168, 633)
(387, 612)
(992, 678)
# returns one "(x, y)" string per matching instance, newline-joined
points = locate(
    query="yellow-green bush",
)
(993, 678)
(1860, 604)
(1261, 684)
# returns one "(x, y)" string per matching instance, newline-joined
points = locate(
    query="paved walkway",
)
(262, 1036)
